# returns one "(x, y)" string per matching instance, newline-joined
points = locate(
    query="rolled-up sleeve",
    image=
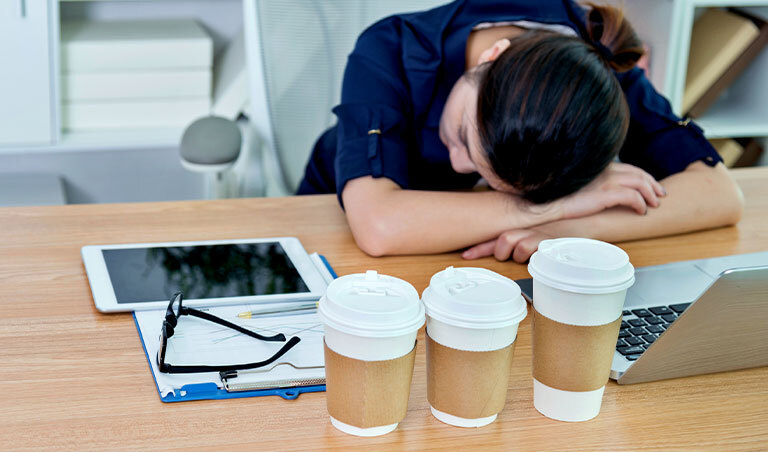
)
(657, 140)
(370, 143)
(374, 132)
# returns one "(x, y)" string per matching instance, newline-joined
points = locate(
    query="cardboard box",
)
(718, 39)
(165, 84)
(163, 113)
(97, 46)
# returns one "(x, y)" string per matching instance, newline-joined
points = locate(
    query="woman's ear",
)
(494, 51)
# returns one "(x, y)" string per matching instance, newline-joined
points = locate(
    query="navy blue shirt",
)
(398, 78)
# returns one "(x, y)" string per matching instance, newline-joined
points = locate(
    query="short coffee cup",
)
(370, 323)
(472, 320)
(579, 286)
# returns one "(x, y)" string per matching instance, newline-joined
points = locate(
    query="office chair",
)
(296, 53)
(214, 146)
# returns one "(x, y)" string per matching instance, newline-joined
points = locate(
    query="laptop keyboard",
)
(641, 327)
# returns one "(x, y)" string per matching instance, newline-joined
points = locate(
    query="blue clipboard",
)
(211, 391)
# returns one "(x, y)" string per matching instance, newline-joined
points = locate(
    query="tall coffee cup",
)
(472, 320)
(370, 323)
(579, 286)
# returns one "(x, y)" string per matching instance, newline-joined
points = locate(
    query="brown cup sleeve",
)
(467, 384)
(572, 357)
(368, 394)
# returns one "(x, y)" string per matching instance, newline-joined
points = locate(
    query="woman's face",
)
(458, 124)
(458, 132)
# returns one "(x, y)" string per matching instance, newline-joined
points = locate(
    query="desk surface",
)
(76, 379)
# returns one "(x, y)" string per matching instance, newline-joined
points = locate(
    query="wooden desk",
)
(71, 378)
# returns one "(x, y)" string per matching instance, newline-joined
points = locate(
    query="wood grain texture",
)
(74, 379)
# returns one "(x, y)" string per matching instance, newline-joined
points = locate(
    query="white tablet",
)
(145, 275)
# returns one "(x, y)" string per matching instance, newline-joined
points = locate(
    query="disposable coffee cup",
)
(370, 323)
(579, 286)
(472, 320)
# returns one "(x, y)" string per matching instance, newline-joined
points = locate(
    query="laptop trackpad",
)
(667, 284)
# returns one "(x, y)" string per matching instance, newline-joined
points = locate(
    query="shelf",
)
(733, 121)
(85, 1)
(725, 3)
(742, 110)
(115, 139)
(109, 140)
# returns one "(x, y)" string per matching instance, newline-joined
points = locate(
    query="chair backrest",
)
(304, 48)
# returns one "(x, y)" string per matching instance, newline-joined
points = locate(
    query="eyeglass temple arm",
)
(168, 368)
(204, 315)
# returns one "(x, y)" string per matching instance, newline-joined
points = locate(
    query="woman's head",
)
(543, 114)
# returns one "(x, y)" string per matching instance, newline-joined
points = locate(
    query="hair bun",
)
(613, 37)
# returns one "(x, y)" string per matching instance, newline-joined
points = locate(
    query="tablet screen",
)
(207, 271)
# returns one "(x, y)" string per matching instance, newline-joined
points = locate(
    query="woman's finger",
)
(656, 185)
(525, 248)
(641, 183)
(618, 166)
(628, 197)
(507, 242)
(627, 168)
(481, 250)
(660, 191)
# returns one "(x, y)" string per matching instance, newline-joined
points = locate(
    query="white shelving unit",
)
(666, 25)
(742, 111)
(101, 166)
(27, 110)
(222, 18)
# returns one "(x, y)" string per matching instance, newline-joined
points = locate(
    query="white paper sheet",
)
(200, 342)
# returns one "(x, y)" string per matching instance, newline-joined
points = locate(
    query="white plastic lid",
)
(582, 266)
(371, 305)
(471, 297)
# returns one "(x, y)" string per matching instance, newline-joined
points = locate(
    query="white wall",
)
(133, 175)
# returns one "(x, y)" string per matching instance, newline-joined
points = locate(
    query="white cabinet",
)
(26, 79)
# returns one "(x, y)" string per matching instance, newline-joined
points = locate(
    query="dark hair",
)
(551, 114)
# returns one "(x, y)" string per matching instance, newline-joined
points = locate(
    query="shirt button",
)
(684, 122)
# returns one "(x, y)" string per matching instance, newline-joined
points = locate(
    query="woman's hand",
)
(519, 244)
(619, 185)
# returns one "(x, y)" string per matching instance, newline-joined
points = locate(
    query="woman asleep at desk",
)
(534, 100)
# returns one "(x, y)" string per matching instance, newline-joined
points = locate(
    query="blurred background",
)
(105, 101)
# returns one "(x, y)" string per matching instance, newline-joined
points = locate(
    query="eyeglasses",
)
(169, 325)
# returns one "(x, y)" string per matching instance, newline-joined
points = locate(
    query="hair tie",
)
(596, 18)
(604, 51)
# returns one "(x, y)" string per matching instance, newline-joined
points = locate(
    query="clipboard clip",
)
(229, 385)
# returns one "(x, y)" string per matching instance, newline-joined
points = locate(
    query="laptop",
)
(691, 318)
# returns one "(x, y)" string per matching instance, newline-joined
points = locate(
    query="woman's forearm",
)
(701, 197)
(388, 220)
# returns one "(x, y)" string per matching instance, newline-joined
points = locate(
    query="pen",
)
(303, 307)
